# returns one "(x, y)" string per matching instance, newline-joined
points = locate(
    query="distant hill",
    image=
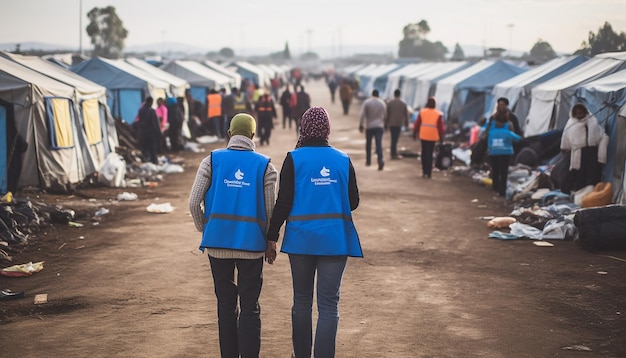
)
(28, 46)
(182, 48)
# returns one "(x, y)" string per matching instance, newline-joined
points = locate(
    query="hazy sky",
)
(267, 24)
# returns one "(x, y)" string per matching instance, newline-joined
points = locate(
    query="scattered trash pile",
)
(544, 213)
(20, 219)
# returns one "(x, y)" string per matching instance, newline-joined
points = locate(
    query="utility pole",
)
(80, 27)
(309, 32)
(510, 26)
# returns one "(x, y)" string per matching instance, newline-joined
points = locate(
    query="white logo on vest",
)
(238, 182)
(324, 180)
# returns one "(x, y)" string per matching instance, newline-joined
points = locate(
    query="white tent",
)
(425, 82)
(552, 100)
(396, 79)
(225, 71)
(44, 115)
(518, 89)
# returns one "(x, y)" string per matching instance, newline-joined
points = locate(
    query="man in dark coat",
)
(148, 131)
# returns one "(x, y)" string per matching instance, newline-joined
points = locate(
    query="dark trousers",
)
(150, 148)
(499, 172)
(377, 134)
(239, 333)
(395, 135)
(174, 134)
(265, 129)
(346, 106)
(287, 116)
(428, 148)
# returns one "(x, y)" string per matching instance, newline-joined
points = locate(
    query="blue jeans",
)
(377, 133)
(329, 273)
(239, 333)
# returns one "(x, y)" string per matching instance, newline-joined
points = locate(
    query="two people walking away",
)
(319, 237)
(430, 129)
(240, 223)
(372, 120)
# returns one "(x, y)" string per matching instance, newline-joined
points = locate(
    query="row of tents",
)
(541, 97)
(60, 121)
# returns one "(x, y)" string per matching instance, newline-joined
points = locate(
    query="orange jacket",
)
(214, 104)
(429, 126)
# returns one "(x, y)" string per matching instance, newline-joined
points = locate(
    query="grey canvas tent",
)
(91, 104)
(42, 112)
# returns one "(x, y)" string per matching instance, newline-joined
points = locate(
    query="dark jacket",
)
(286, 191)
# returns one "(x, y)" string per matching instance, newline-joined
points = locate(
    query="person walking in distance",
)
(345, 95)
(397, 116)
(266, 112)
(236, 186)
(285, 103)
(372, 120)
(429, 126)
(303, 102)
(318, 238)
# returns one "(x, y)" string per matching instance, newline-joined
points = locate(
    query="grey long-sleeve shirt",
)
(202, 183)
(373, 113)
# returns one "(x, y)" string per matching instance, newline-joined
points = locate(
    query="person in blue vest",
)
(500, 138)
(317, 193)
(237, 187)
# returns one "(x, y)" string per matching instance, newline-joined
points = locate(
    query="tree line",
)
(108, 34)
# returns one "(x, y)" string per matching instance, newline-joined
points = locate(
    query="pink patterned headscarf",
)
(314, 124)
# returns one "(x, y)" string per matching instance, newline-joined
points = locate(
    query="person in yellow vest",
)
(214, 111)
(231, 202)
(429, 126)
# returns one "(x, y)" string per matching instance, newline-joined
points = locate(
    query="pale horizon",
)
(246, 26)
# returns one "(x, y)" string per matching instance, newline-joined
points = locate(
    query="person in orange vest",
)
(429, 126)
(214, 111)
(265, 114)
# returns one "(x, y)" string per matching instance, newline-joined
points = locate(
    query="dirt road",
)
(431, 283)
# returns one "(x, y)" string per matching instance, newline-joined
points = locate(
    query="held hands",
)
(270, 252)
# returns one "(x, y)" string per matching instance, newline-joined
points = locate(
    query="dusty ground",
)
(431, 283)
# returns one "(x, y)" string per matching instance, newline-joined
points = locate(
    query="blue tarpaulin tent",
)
(127, 86)
(467, 95)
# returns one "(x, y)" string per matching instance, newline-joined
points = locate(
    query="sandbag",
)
(602, 228)
(601, 195)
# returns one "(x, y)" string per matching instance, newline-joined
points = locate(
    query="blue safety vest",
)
(320, 221)
(234, 205)
(501, 140)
